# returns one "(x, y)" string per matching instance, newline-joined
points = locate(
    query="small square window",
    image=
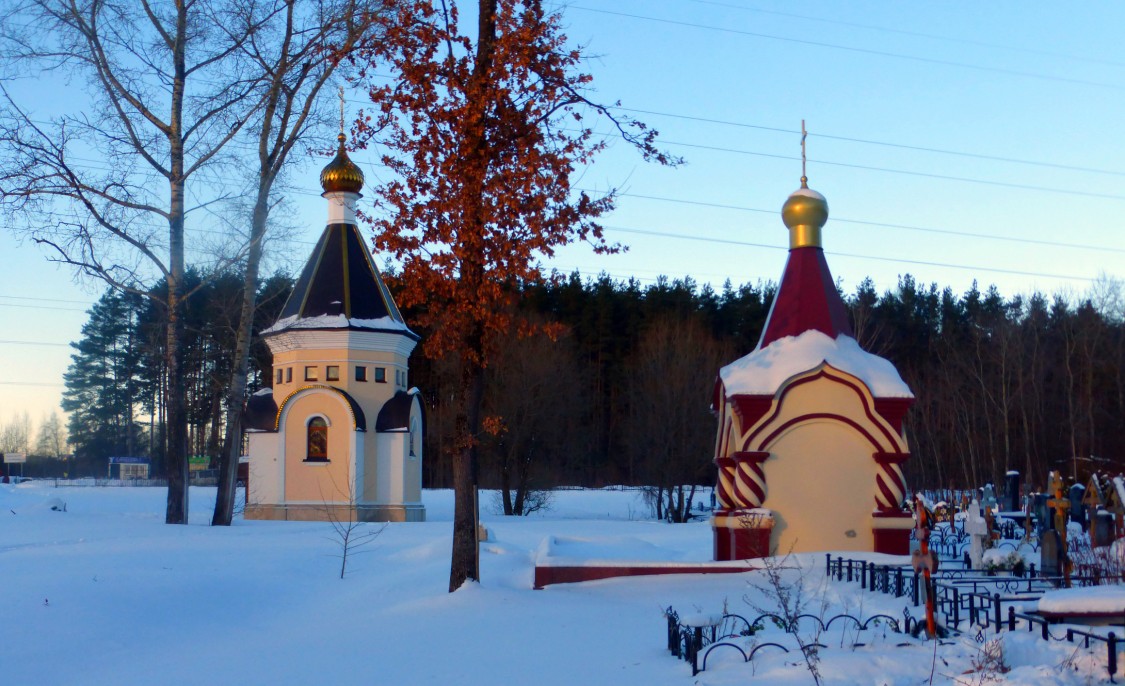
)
(280, 376)
(310, 374)
(360, 373)
(331, 373)
(288, 375)
(380, 375)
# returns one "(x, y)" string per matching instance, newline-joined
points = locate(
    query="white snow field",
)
(105, 593)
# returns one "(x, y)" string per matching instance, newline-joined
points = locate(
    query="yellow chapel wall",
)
(820, 482)
(821, 474)
(318, 482)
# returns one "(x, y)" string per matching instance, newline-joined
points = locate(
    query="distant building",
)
(340, 433)
(126, 468)
(810, 441)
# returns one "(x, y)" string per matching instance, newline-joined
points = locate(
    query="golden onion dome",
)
(341, 174)
(805, 213)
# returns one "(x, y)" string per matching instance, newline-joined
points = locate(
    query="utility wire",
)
(64, 345)
(48, 300)
(42, 307)
(928, 175)
(897, 260)
(916, 34)
(868, 141)
(864, 51)
(949, 232)
(847, 165)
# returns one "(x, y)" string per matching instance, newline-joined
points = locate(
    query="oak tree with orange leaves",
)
(482, 138)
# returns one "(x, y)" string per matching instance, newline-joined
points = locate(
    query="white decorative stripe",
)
(751, 484)
(341, 339)
(726, 485)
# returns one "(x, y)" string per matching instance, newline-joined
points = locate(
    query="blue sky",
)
(1027, 94)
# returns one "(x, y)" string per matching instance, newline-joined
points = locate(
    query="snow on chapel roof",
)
(808, 323)
(763, 371)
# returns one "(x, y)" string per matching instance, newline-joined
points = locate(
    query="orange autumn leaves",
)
(482, 140)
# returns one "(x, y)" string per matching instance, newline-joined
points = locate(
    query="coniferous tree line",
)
(115, 392)
(1029, 383)
(615, 386)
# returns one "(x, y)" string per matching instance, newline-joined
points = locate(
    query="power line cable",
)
(928, 175)
(42, 307)
(897, 260)
(65, 345)
(868, 141)
(949, 232)
(48, 300)
(916, 34)
(865, 51)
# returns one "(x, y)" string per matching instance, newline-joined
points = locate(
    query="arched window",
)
(413, 438)
(317, 440)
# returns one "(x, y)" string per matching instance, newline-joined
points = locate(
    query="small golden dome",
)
(805, 213)
(341, 174)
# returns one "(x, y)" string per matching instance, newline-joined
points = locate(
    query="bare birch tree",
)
(167, 89)
(296, 49)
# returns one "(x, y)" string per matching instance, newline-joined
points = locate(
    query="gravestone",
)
(1077, 513)
(977, 528)
(1012, 492)
(1103, 529)
(1050, 553)
(1043, 518)
(988, 498)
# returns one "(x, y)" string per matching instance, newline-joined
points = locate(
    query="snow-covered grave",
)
(106, 593)
(1095, 605)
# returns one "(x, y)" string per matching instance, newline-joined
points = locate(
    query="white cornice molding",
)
(350, 339)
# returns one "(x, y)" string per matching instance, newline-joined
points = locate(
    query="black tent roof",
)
(341, 280)
(395, 415)
(262, 411)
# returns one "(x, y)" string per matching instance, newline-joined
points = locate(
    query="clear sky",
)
(954, 141)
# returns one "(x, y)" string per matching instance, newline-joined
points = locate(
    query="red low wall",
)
(545, 576)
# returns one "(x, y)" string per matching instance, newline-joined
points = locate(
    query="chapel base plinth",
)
(892, 533)
(742, 534)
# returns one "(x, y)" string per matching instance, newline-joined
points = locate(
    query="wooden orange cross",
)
(1061, 504)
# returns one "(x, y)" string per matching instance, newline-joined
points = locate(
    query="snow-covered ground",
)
(105, 593)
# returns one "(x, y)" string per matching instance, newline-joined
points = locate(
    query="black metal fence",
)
(975, 600)
(694, 643)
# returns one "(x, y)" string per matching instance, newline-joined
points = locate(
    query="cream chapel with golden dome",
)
(339, 434)
(810, 441)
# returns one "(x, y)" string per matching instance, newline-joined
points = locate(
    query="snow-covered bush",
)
(1100, 565)
(995, 560)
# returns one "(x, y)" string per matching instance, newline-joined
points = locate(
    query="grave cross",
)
(1060, 503)
(977, 529)
(1092, 499)
(990, 524)
(925, 561)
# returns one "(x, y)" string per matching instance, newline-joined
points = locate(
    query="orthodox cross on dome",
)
(804, 173)
(341, 110)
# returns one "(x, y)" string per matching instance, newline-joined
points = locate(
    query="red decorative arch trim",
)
(823, 374)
